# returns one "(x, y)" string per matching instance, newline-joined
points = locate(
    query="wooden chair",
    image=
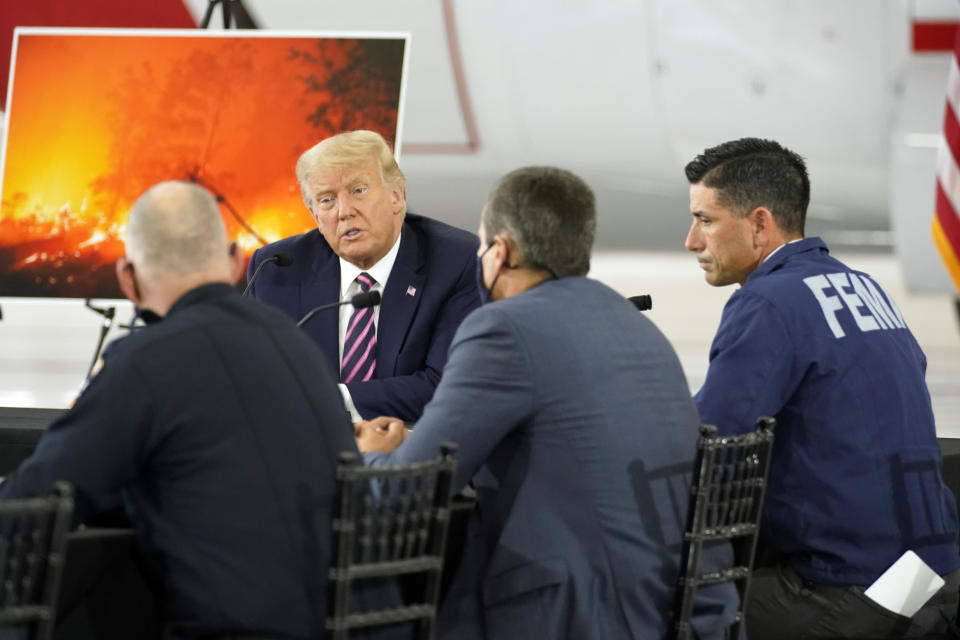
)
(390, 533)
(726, 501)
(32, 548)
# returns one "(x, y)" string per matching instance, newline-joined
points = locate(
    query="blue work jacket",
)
(855, 478)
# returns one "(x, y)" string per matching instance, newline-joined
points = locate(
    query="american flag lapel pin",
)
(411, 291)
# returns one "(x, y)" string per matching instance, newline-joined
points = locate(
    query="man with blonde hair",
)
(218, 428)
(389, 357)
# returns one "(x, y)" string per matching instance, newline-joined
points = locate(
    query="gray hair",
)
(551, 216)
(175, 228)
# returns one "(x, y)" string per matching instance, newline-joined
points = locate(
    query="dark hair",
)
(750, 173)
(551, 216)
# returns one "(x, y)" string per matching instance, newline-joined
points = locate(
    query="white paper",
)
(906, 586)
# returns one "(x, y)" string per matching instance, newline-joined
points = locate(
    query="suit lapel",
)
(320, 284)
(401, 297)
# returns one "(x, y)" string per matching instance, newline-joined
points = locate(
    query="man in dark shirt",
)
(219, 428)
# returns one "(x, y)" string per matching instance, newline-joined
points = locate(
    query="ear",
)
(316, 218)
(237, 263)
(504, 249)
(763, 224)
(398, 198)
(125, 279)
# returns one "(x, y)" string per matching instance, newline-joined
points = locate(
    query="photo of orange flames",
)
(97, 118)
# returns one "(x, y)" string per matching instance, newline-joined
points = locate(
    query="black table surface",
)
(20, 428)
(106, 595)
(19, 431)
(27, 418)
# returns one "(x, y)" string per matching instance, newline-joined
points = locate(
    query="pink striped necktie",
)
(360, 343)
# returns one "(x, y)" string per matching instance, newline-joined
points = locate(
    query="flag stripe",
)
(948, 182)
(953, 84)
(951, 134)
(948, 176)
(947, 252)
(946, 225)
(947, 219)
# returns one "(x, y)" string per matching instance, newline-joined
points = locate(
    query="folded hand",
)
(383, 434)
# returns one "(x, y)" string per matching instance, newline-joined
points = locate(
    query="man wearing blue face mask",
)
(574, 420)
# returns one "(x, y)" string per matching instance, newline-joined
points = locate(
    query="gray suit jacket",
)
(576, 425)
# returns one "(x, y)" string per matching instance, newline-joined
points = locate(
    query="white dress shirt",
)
(350, 287)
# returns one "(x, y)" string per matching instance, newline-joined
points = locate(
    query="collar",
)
(203, 293)
(379, 272)
(148, 317)
(780, 247)
(785, 251)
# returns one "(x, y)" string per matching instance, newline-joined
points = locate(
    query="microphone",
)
(359, 301)
(642, 303)
(282, 258)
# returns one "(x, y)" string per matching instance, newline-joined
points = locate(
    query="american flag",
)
(411, 291)
(946, 222)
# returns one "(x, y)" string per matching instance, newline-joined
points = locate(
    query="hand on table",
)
(383, 434)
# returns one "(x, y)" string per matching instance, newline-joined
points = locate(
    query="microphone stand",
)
(323, 307)
(359, 301)
(109, 318)
(256, 273)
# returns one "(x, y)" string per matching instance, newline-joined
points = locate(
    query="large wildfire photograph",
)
(94, 118)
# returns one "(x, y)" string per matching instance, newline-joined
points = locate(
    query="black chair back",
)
(32, 548)
(726, 501)
(390, 530)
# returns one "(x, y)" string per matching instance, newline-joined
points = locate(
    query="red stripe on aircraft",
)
(934, 36)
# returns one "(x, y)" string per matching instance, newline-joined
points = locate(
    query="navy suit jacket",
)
(576, 425)
(431, 289)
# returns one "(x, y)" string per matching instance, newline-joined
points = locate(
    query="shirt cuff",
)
(348, 404)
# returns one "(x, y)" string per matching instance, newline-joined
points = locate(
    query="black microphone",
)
(359, 301)
(642, 303)
(282, 258)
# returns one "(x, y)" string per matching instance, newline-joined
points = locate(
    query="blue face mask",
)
(481, 287)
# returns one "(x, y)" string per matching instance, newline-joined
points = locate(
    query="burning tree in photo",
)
(95, 119)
